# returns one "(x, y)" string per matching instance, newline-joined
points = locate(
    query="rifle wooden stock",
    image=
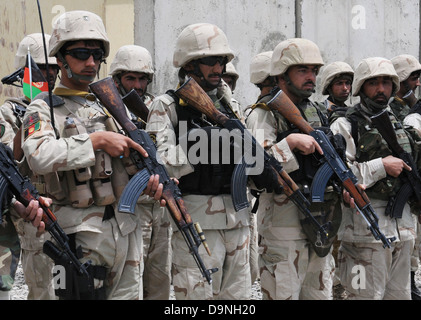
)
(194, 95)
(283, 104)
(135, 104)
(17, 145)
(106, 91)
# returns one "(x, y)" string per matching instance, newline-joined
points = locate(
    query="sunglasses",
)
(211, 61)
(85, 53)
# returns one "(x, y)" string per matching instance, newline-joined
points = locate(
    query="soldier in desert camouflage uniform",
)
(132, 68)
(37, 267)
(405, 106)
(259, 76)
(289, 266)
(385, 271)
(336, 82)
(81, 161)
(202, 52)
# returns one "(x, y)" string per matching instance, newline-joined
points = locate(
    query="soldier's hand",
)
(304, 143)
(115, 144)
(33, 213)
(350, 200)
(394, 166)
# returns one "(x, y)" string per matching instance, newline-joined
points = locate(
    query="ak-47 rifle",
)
(411, 179)
(107, 93)
(333, 164)
(12, 180)
(196, 97)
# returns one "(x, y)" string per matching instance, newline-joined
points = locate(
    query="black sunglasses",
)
(85, 53)
(211, 61)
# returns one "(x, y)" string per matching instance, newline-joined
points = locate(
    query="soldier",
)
(132, 68)
(386, 271)
(290, 268)
(408, 69)
(259, 76)
(202, 52)
(260, 73)
(406, 107)
(336, 82)
(37, 267)
(82, 164)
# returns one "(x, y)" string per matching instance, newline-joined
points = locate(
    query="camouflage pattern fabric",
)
(9, 253)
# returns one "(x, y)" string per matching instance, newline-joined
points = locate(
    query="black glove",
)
(268, 180)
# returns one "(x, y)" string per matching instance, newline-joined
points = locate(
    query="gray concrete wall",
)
(344, 30)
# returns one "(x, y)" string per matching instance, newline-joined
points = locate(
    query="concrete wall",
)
(344, 30)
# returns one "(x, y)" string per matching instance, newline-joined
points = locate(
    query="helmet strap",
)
(70, 73)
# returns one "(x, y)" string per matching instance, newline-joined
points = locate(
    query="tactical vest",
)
(100, 184)
(370, 145)
(207, 179)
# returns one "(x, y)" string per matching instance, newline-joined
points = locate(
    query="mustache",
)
(380, 95)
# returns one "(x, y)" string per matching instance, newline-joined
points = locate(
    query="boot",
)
(415, 292)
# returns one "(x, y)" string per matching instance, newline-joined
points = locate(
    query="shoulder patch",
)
(31, 125)
(2, 130)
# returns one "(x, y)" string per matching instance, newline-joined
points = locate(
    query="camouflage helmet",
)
(132, 58)
(333, 70)
(371, 68)
(260, 67)
(78, 25)
(33, 42)
(198, 41)
(405, 64)
(231, 71)
(292, 52)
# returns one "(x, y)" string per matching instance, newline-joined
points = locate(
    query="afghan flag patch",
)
(32, 124)
(2, 130)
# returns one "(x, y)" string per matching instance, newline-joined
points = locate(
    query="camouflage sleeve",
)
(6, 133)
(161, 121)
(367, 173)
(7, 114)
(44, 152)
(262, 125)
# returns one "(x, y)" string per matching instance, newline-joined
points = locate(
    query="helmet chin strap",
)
(71, 74)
